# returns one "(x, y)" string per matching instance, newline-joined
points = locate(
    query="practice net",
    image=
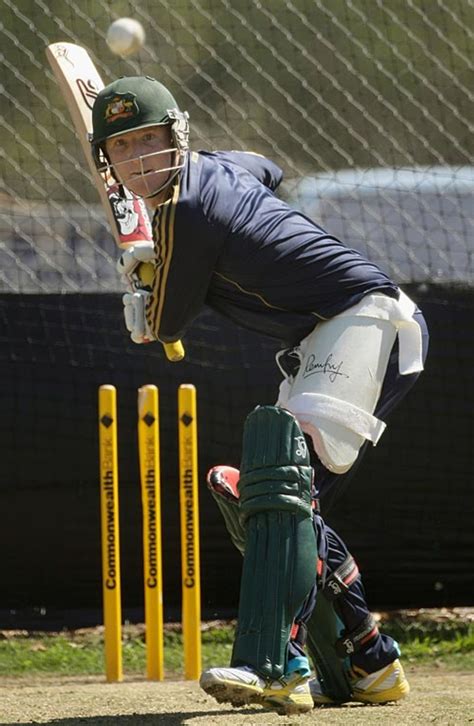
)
(367, 106)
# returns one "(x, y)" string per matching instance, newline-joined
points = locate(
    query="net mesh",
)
(367, 106)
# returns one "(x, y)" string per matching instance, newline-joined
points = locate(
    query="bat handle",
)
(174, 351)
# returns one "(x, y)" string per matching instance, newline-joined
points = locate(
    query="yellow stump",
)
(189, 508)
(109, 505)
(149, 448)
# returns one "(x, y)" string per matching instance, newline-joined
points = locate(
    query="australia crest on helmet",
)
(120, 106)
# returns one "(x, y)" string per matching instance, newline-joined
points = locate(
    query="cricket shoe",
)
(240, 686)
(288, 695)
(387, 684)
(237, 686)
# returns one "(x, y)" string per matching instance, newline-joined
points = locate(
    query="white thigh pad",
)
(334, 394)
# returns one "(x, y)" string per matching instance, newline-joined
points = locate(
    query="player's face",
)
(142, 159)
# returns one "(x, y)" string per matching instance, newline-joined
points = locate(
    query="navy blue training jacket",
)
(224, 239)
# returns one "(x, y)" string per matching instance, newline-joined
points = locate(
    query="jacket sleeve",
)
(263, 169)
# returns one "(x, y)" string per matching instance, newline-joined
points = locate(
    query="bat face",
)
(88, 91)
(80, 83)
(78, 79)
(88, 88)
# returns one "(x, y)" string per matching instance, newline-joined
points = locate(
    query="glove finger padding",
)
(280, 547)
(135, 318)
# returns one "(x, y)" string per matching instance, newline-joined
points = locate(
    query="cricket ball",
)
(125, 37)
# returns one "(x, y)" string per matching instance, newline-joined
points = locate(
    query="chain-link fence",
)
(366, 104)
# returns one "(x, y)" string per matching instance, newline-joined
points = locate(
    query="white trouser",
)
(343, 365)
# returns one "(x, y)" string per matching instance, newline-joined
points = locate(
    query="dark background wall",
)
(406, 514)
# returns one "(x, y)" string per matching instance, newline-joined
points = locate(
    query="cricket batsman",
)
(352, 345)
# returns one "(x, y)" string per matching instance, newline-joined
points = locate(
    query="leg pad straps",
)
(338, 581)
(350, 643)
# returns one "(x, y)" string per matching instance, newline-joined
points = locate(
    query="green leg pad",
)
(231, 513)
(280, 544)
(278, 573)
(324, 628)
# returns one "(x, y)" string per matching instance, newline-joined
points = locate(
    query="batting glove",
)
(131, 259)
(134, 306)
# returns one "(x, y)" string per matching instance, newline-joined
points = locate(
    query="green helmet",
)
(132, 103)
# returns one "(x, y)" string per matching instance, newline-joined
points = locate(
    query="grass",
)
(81, 652)
(425, 640)
(429, 637)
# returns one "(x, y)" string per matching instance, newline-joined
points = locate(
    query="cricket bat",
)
(128, 218)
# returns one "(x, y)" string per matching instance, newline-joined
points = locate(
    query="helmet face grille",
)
(112, 172)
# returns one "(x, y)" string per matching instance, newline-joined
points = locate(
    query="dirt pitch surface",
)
(438, 697)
